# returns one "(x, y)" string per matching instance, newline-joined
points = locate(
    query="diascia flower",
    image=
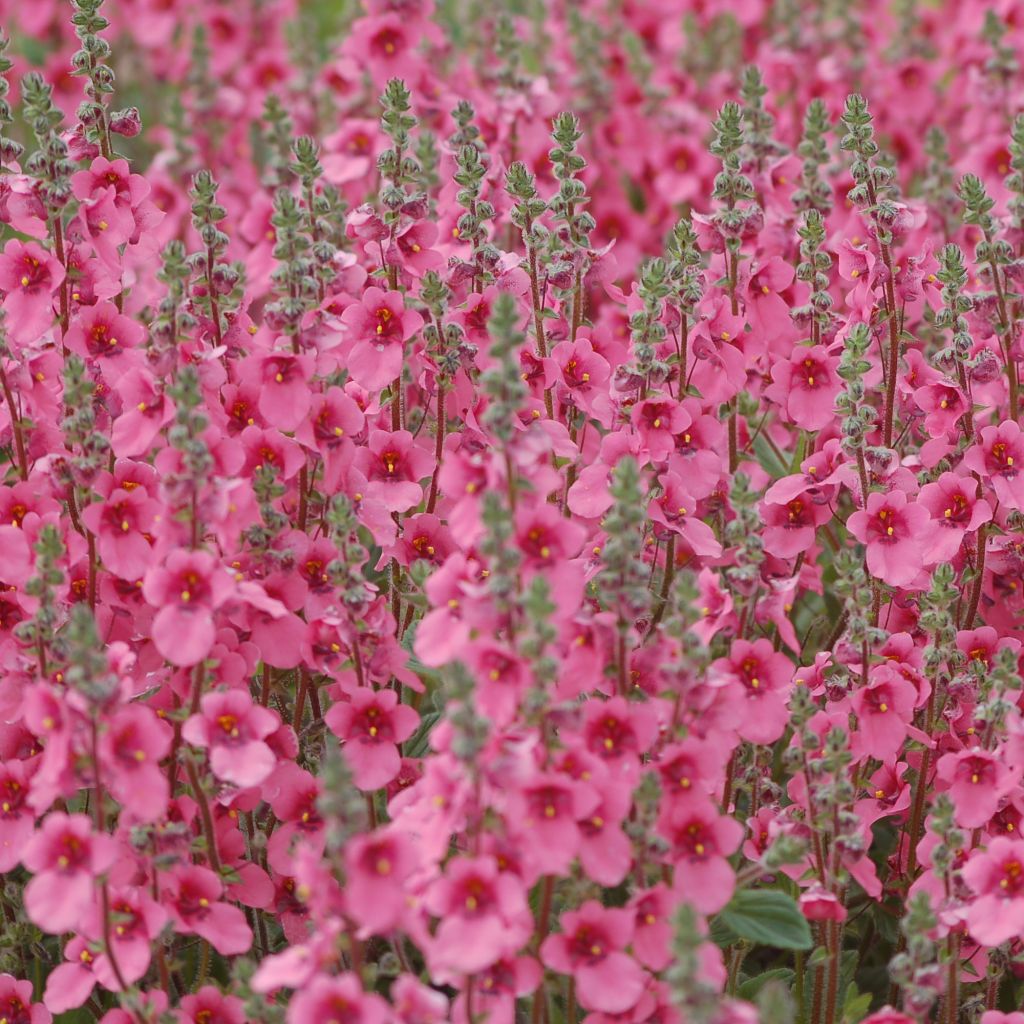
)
(187, 589)
(65, 856)
(590, 948)
(894, 532)
(996, 876)
(29, 276)
(371, 724)
(379, 325)
(234, 730)
(998, 458)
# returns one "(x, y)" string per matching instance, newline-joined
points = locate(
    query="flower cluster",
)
(511, 512)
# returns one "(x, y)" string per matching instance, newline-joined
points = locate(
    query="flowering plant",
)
(511, 513)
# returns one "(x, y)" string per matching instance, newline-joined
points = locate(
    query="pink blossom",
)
(996, 876)
(371, 724)
(997, 457)
(29, 276)
(195, 905)
(893, 530)
(379, 325)
(234, 730)
(65, 856)
(187, 589)
(590, 948)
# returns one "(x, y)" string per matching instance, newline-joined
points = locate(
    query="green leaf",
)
(768, 917)
(767, 458)
(856, 1006)
(749, 988)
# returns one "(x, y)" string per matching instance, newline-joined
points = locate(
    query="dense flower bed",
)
(511, 512)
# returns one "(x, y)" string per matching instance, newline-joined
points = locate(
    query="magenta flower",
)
(379, 325)
(133, 744)
(894, 532)
(16, 1006)
(234, 729)
(29, 276)
(65, 856)
(884, 709)
(996, 877)
(188, 588)
(700, 841)
(978, 781)
(394, 464)
(371, 724)
(590, 949)
(193, 900)
(807, 386)
(483, 917)
(998, 458)
(341, 999)
(956, 510)
(121, 524)
(377, 866)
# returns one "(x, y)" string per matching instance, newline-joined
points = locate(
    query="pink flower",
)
(29, 276)
(210, 1006)
(547, 809)
(943, 403)
(978, 781)
(996, 876)
(121, 524)
(676, 510)
(101, 332)
(17, 822)
(380, 325)
(791, 526)
(619, 733)
(652, 926)
(282, 380)
(700, 839)
(761, 680)
(70, 984)
(884, 709)
(590, 949)
(998, 457)
(16, 1006)
(340, 998)
(133, 743)
(187, 589)
(377, 866)
(483, 917)
(234, 729)
(394, 464)
(956, 510)
(371, 724)
(65, 857)
(193, 899)
(136, 920)
(817, 904)
(894, 532)
(807, 387)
